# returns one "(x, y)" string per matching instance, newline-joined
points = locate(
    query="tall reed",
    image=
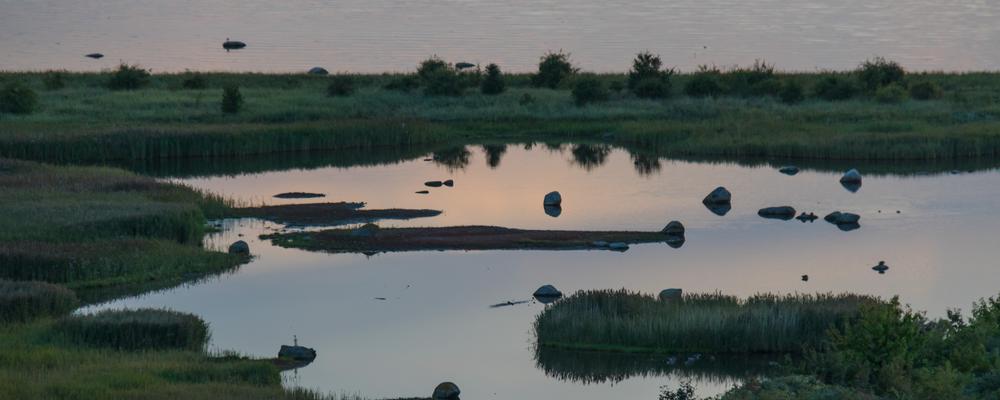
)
(24, 301)
(140, 329)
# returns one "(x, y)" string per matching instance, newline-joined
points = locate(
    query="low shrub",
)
(833, 88)
(652, 88)
(756, 80)
(494, 82)
(194, 81)
(232, 99)
(553, 69)
(791, 93)
(140, 329)
(704, 83)
(24, 301)
(128, 77)
(439, 78)
(891, 94)
(340, 86)
(926, 91)
(526, 99)
(647, 79)
(589, 89)
(405, 84)
(54, 80)
(879, 72)
(16, 98)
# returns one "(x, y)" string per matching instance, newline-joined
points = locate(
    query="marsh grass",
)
(25, 301)
(620, 320)
(141, 329)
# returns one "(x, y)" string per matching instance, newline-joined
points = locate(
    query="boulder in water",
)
(233, 44)
(464, 65)
(446, 391)
(718, 196)
(672, 294)
(807, 217)
(96, 56)
(618, 246)
(449, 183)
(433, 183)
(239, 247)
(784, 213)
(789, 170)
(881, 267)
(842, 218)
(851, 176)
(552, 199)
(318, 71)
(547, 291)
(299, 353)
(674, 228)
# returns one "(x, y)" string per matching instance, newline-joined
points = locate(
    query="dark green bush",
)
(926, 91)
(232, 100)
(768, 87)
(24, 301)
(54, 80)
(834, 88)
(494, 82)
(616, 86)
(791, 93)
(194, 81)
(879, 72)
(340, 86)
(589, 89)
(756, 80)
(647, 79)
(403, 84)
(553, 69)
(128, 77)
(706, 82)
(891, 94)
(526, 99)
(16, 98)
(439, 78)
(140, 329)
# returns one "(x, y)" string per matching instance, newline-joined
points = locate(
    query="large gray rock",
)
(300, 353)
(318, 71)
(446, 391)
(552, 199)
(782, 212)
(239, 247)
(673, 294)
(842, 218)
(674, 228)
(851, 176)
(718, 196)
(547, 291)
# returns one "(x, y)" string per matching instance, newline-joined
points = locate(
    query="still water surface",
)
(394, 35)
(436, 323)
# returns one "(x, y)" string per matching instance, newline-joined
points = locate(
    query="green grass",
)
(24, 301)
(291, 113)
(619, 320)
(136, 330)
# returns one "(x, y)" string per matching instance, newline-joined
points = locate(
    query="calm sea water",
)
(435, 323)
(394, 35)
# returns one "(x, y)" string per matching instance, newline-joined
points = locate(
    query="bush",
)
(15, 98)
(792, 93)
(706, 82)
(553, 69)
(891, 94)
(194, 81)
(588, 90)
(493, 83)
(403, 84)
(128, 77)
(526, 99)
(140, 329)
(834, 88)
(757, 80)
(926, 91)
(24, 301)
(439, 78)
(879, 72)
(54, 80)
(232, 100)
(340, 86)
(646, 78)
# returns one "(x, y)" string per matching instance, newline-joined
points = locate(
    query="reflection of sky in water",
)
(436, 323)
(394, 35)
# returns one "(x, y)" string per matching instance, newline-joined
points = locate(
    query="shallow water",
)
(436, 323)
(394, 35)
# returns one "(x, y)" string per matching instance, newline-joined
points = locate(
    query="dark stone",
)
(298, 195)
(239, 247)
(96, 56)
(433, 183)
(297, 353)
(233, 44)
(422, 192)
(552, 199)
(783, 213)
(449, 183)
(719, 209)
(318, 71)
(672, 294)
(547, 291)
(674, 228)
(881, 267)
(618, 246)
(676, 241)
(805, 278)
(849, 227)
(807, 217)
(446, 391)
(789, 170)
(851, 176)
(464, 65)
(718, 196)
(553, 211)
(842, 218)
(852, 187)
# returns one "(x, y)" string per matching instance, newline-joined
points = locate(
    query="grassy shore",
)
(84, 121)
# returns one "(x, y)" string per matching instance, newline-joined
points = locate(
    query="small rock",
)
(422, 192)
(547, 291)
(719, 209)
(553, 211)
(842, 218)
(674, 228)
(718, 196)
(805, 278)
(233, 44)
(552, 199)
(239, 247)
(789, 170)
(464, 65)
(881, 267)
(618, 246)
(851, 176)
(449, 183)
(782, 212)
(599, 243)
(96, 56)
(300, 353)
(807, 217)
(446, 391)
(672, 294)
(433, 183)
(318, 71)
(298, 195)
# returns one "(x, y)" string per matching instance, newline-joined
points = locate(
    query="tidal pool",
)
(935, 230)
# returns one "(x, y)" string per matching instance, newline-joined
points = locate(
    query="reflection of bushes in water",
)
(554, 147)
(494, 153)
(454, 158)
(645, 164)
(590, 156)
(598, 367)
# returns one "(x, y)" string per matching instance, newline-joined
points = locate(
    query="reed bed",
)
(25, 301)
(620, 320)
(140, 329)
